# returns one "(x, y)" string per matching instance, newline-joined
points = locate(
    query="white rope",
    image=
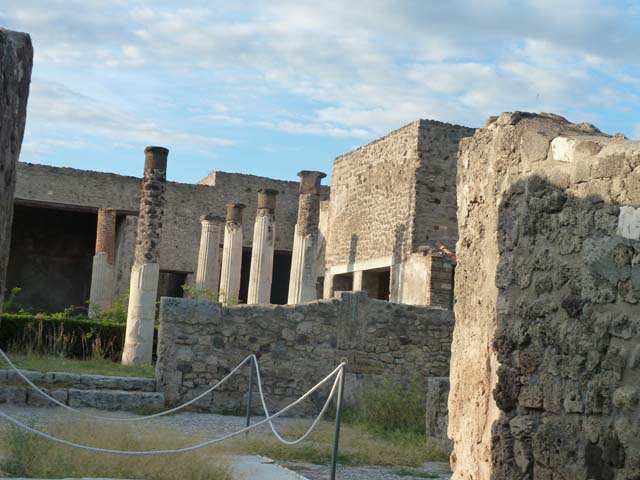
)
(340, 372)
(120, 419)
(68, 443)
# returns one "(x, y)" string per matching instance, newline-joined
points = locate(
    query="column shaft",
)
(264, 239)
(302, 283)
(138, 347)
(208, 273)
(232, 255)
(102, 275)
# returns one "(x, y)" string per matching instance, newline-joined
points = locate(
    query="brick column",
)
(264, 239)
(143, 291)
(232, 254)
(16, 59)
(208, 273)
(102, 274)
(302, 283)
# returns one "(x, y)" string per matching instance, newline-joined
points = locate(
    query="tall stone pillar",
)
(16, 60)
(138, 347)
(302, 283)
(208, 273)
(102, 275)
(232, 254)
(264, 239)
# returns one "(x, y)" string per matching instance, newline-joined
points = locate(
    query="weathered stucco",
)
(545, 369)
(16, 60)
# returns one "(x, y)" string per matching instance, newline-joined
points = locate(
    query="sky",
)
(275, 87)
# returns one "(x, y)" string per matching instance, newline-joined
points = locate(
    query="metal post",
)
(250, 395)
(336, 436)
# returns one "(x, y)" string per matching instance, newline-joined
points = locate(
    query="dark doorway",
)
(376, 283)
(170, 284)
(51, 257)
(343, 282)
(244, 275)
(281, 274)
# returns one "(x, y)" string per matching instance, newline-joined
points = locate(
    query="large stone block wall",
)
(16, 60)
(373, 199)
(435, 218)
(395, 194)
(200, 341)
(68, 188)
(545, 368)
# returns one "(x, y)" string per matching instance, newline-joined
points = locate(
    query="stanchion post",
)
(250, 394)
(336, 435)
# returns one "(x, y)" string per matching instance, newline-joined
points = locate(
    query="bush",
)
(74, 337)
(389, 407)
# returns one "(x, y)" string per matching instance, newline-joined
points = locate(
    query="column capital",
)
(155, 158)
(234, 212)
(267, 199)
(310, 181)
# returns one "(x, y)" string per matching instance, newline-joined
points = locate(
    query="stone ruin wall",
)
(435, 218)
(16, 60)
(200, 341)
(87, 190)
(545, 368)
(372, 200)
(395, 194)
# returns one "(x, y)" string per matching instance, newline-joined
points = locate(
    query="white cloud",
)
(55, 108)
(360, 68)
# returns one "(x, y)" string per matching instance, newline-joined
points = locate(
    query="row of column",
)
(146, 270)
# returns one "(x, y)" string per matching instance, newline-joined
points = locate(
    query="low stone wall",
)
(200, 341)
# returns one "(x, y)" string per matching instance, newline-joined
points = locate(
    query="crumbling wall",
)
(298, 345)
(16, 60)
(545, 369)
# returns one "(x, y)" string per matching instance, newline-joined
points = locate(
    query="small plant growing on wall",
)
(197, 294)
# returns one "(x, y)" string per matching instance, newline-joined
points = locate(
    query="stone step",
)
(103, 399)
(80, 382)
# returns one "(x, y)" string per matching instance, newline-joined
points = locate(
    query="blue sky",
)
(274, 87)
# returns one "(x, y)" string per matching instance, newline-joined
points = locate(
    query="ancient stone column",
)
(138, 347)
(264, 239)
(208, 273)
(102, 275)
(232, 255)
(16, 59)
(302, 283)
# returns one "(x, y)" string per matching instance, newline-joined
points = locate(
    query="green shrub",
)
(73, 337)
(117, 312)
(389, 407)
(11, 304)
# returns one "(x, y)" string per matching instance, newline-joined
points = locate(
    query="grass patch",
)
(25, 455)
(357, 447)
(390, 408)
(95, 366)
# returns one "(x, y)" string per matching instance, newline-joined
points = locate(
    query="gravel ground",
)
(212, 425)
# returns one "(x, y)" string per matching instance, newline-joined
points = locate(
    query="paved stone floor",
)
(213, 425)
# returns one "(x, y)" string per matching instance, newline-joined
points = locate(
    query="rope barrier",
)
(120, 419)
(315, 422)
(337, 372)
